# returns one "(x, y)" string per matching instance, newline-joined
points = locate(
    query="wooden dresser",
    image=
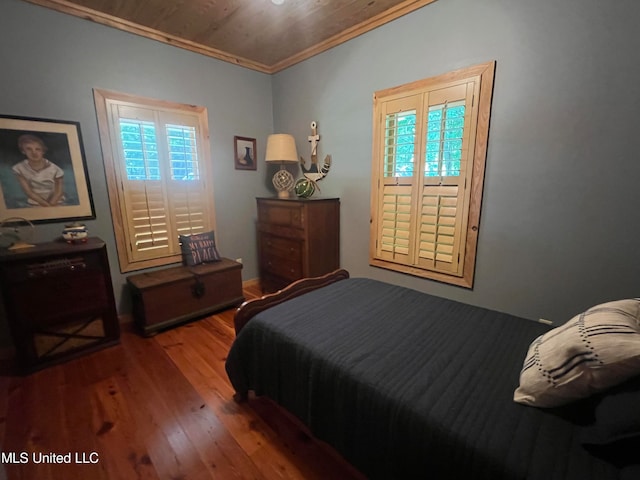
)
(59, 301)
(297, 238)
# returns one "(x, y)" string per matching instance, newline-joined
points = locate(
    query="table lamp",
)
(281, 148)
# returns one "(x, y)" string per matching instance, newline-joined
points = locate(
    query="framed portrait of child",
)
(43, 171)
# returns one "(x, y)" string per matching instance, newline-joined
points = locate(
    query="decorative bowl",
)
(75, 233)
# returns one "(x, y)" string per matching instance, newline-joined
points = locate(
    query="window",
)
(156, 157)
(429, 152)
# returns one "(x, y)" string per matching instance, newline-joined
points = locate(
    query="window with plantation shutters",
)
(429, 152)
(156, 157)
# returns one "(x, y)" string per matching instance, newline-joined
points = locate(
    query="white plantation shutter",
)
(160, 158)
(425, 155)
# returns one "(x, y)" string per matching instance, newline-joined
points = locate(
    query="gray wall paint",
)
(50, 62)
(559, 222)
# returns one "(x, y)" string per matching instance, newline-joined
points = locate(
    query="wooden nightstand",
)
(59, 301)
(297, 238)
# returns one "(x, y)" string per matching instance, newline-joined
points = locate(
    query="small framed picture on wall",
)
(245, 157)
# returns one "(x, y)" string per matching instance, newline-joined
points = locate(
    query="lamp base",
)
(283, 181)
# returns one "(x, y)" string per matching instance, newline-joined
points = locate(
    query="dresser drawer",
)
(281, 248)
(287, 270)
(282, 257)
(281, 214)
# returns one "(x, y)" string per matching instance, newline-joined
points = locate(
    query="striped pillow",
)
(591, 352)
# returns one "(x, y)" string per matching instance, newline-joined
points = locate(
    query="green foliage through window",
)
(399, 141)
(183, 155)
(445, 130)
(140, 147)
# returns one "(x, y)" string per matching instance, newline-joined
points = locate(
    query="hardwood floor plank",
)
(202, 351)
(27, 427)
(5, 385)
(195, 433)
(156, 408)
(78, 420)
(248, 430)
(116, 428)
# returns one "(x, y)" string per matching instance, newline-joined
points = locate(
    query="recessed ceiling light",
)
(277, 2)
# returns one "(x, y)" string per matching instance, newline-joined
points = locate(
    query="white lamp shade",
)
(281, 147)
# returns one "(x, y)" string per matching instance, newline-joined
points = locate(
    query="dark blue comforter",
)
(408, 385)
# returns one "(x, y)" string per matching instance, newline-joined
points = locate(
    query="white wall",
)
(560, 221)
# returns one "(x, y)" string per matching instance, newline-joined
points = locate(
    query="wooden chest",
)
(166, 297)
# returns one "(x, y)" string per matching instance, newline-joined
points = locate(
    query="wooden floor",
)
(150, 408)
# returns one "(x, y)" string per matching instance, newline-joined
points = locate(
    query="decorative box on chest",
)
(297, 238)
(59, 301)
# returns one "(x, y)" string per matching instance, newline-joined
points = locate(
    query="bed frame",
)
(251, 308)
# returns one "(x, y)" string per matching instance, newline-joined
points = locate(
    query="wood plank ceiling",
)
(256, 34)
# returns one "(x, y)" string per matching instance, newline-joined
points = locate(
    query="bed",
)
(408, 385)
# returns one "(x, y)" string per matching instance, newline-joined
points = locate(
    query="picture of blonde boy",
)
(40, 179)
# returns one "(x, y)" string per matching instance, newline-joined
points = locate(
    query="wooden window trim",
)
(109, 148)
(485, 72)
